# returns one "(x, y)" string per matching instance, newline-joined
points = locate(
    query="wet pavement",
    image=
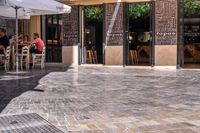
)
(107, 100)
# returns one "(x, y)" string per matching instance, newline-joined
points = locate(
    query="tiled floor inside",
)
(107, 100)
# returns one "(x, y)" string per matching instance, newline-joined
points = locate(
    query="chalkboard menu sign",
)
(166, 22)
(114, 23)
(70, 27)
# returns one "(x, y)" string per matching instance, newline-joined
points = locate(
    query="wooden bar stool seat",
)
(89, 56)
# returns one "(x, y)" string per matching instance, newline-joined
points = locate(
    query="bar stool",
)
(132, 57)
(25, 57)
(89, 55)
(94, 55)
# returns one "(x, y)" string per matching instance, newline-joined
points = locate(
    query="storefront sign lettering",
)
(166, 33)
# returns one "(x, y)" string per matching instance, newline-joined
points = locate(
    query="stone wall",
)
(166, 22)
(70, 27)
(114, 26)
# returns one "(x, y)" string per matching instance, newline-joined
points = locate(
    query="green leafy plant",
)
(191, 8)
(139, 10)
(94, 13)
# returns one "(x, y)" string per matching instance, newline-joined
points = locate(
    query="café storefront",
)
(112, 39)
(125, 33)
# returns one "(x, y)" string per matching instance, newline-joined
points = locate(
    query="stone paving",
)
(107, 100)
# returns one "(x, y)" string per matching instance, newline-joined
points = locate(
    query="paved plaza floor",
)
(106, 100)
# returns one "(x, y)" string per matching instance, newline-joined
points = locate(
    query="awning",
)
(29, 8)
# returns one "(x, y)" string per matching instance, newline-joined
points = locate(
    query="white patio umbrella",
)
(23, 9)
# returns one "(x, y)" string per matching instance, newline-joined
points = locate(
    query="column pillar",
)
(166, 32)
(70, 37)
(114, 33)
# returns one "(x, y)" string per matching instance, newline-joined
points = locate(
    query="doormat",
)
(26, 123)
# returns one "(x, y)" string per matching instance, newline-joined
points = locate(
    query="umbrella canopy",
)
(29, 8)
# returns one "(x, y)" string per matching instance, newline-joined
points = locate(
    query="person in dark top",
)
(4, 41)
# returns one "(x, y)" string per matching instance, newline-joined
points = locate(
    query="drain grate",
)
(26, 123)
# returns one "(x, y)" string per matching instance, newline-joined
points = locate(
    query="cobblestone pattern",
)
(109, 100)
(26, 123)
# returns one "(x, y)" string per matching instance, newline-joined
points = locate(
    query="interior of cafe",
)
(93, 35)
(191, 32)
(139, 37)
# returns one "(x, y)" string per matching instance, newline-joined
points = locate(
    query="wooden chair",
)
(2, 56)
(7, 59)
(94, 55)
(14, 57)
(25, 57)
(132, 57)
(39, 59)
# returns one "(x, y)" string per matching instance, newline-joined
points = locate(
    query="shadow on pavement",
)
(12, 85)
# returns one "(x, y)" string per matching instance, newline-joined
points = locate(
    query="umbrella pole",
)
(17, 41)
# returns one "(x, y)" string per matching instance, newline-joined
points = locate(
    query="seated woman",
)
(22, 42)
(25, 41)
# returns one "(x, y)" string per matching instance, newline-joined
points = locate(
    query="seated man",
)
(4, 42)
(38, 44)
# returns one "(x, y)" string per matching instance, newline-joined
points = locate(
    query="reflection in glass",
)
(191, 34)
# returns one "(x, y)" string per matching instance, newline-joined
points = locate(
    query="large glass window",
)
(54, 38)
(139, 36)
(191, 33)
(93, 35)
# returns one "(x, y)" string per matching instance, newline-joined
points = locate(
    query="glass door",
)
(139, 34)
(92, 35)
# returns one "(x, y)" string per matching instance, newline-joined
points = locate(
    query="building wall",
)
(165, 55)
(70, 55)
(9, 25)
(165, 50)
(166, 32)
(35, 26)
(114, 33)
